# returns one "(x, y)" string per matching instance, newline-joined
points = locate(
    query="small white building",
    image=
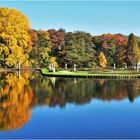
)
(138, 66)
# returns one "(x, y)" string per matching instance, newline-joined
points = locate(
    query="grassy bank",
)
(111, 74)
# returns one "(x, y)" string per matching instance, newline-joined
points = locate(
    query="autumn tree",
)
(41, 48)
(56, 37)
(57, 41)
(14, 38)
(102, 60)
(120, 56)
(53, 61)
(110, 44)
(132, 53)
(138, 40)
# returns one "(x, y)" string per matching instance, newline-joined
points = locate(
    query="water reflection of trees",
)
(19, 95)
(83, 90)
(15, 99)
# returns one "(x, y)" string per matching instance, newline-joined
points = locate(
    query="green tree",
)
(14, 38)
(79, 49)
(120, 56)
(41, 48)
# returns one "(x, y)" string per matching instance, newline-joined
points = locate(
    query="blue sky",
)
(90, 16)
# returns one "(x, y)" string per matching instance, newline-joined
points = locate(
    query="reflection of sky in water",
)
(68, 108)
(97, 119)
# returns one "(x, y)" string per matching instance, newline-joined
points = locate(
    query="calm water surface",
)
(34, 106)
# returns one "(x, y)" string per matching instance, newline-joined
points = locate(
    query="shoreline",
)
(16, 69)
(91, 75)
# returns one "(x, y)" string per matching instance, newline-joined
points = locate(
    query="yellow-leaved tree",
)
(15, 42)
(102, 60)
(53, 61)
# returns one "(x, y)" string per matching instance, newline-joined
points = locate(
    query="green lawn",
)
(90, 74)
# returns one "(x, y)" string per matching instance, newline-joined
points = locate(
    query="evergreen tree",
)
(132, 52)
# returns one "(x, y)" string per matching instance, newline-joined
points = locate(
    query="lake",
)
(37, 106)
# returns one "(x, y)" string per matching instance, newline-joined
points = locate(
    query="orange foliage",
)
(16, 98)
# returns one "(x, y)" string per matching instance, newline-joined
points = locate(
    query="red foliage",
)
(57, 37)
(107, 40)
(33, 36)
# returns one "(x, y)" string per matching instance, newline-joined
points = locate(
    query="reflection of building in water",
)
(75, 81)
(53, 79)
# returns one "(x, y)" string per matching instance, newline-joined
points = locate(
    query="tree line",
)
(39, 48)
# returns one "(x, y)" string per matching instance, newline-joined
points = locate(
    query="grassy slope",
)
(85, 73)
